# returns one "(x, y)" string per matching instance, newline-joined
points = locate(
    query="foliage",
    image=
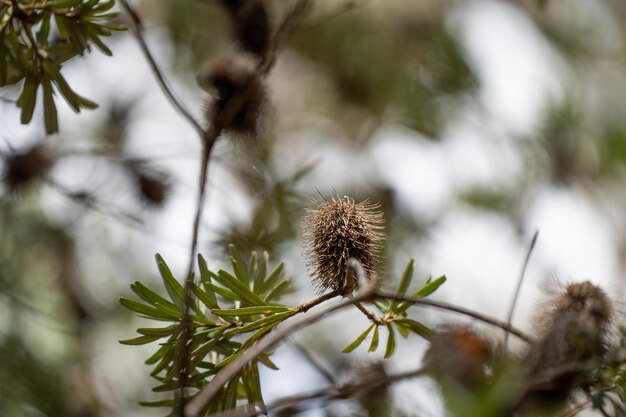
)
(38, 37)
(226, 306)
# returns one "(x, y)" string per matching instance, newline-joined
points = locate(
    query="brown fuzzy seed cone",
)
(240, 97)
(337, 230)
(459, 355)
(576, 332)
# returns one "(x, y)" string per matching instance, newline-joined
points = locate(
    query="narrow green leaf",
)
(239, 266)
(261, 270)
(265, 360)
(169, 311)
(162, 403)
(248, 311)
(158, 331)
(173, 287)
(27, 99)
(144, 309)
(266, 321)
(256, 381)
(374, 344)
(224, 292)
(358, 340)
(274, 276)
(278, 290)
(240, 289)
(204, 296)
(416, 327)
(253, 266)
(231, 393)
(391, 342)
(150, 296)
(50, 116)
(141, 340)
(405, 281)
(407, 276)
(156, 356)
(430, 287)
(205, 277)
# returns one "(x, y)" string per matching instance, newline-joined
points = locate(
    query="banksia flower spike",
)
(459, 355)
(577, 332)
(340, 229)
(239, 99)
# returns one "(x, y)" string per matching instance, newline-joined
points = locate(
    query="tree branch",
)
(453, 308)
(135, 27)
(509, 318)
(354, 387)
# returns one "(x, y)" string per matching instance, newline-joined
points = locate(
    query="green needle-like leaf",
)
(248, 311)
(416, 327)
(173, 287)
(374, 344)
(145, 309)
(141, 340)
(391, 342)
(358, 340)
(240, 289)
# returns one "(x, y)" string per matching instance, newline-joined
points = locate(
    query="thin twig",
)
(135, 27)
(349, 389)
(314, 362)
(572, 411)
(520, 280)
(371, 316)
(453, 308)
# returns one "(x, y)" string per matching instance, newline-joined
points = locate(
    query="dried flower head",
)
(251, 25)
(337, 230)
(26, 167)
(240, 96)
(576, 331)
(459, 355)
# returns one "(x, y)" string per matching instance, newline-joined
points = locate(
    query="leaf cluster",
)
(38, 37)
(395, 316)
(224, 307)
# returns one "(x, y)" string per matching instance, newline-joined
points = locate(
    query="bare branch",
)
(316, 364)
(352, 388)
(509, 318)
(456, 309)
(135, 27)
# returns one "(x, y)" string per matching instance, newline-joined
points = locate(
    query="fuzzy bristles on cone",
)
(576, 332)
(337, 230)
(240, 96)
(458, 355)
(25, 168)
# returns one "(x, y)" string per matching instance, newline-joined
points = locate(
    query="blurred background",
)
(473, 122)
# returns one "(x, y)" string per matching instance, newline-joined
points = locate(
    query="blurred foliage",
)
(387, 63)
(38, 37)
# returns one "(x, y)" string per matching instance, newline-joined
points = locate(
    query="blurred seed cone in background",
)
(340, 229)
(575, 333)
(240, 96)
(251, 25)
(459, 356)
(153, 186)
(26, 167)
